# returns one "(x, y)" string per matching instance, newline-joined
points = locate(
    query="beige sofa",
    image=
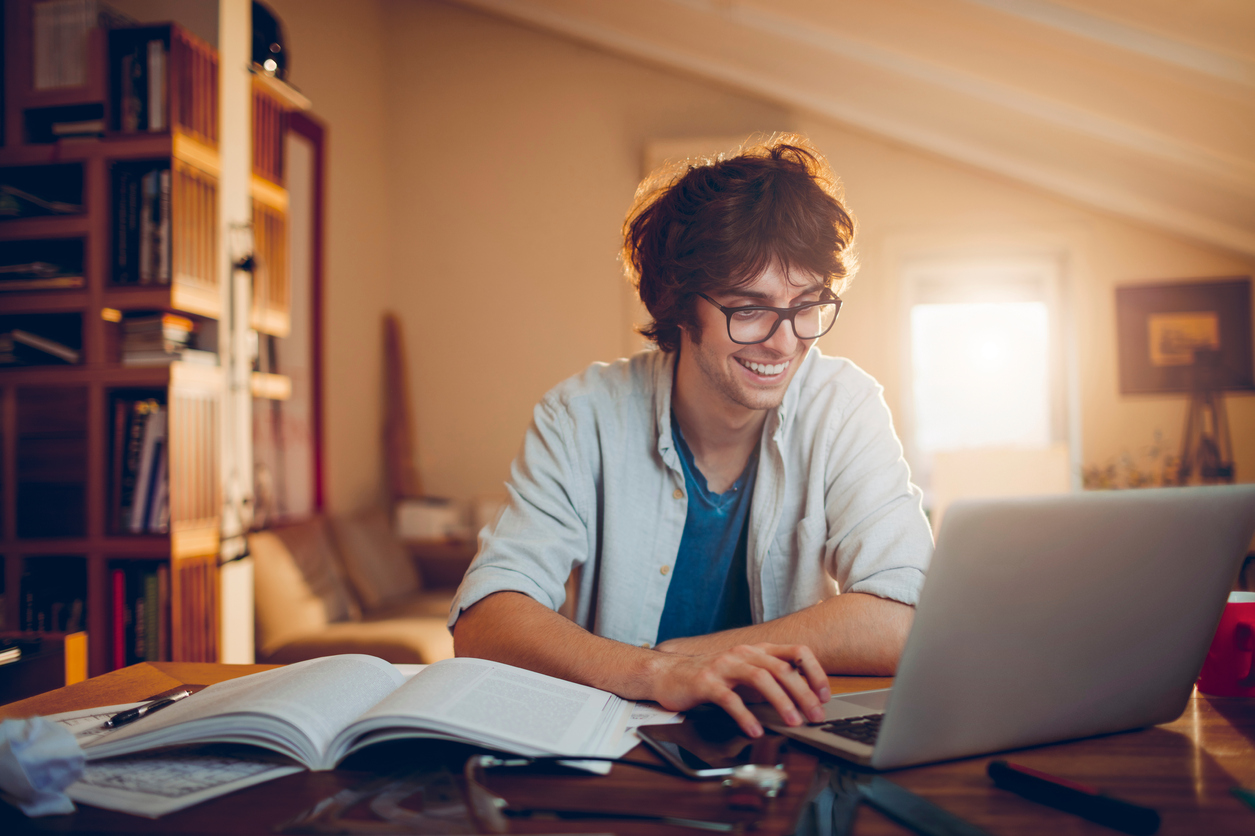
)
(344, 586)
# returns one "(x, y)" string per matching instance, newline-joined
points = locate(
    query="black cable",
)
(558, 759)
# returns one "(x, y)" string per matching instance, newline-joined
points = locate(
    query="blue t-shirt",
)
(709, 588)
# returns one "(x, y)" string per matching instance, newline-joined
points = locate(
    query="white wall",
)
(480, 171)
(515, 155)
(338, 60)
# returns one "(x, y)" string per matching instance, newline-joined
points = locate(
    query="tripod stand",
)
(1206, 444)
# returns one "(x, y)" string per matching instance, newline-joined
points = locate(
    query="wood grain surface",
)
(1184, 769)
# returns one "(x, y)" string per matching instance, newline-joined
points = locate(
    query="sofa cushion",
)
(379, 568)
(297, 584)
(398, 640)
(423, 605)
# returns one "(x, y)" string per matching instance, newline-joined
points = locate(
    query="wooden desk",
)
(1184, 769)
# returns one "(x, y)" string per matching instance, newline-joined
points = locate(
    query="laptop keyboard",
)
(863, 729)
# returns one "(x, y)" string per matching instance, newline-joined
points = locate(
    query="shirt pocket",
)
(803, 542)
(797, 565)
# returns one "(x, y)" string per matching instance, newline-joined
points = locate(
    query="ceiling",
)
(1143, 108)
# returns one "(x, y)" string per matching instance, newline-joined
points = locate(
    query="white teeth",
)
(763, 368)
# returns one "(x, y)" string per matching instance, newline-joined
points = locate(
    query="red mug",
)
(1230, 667)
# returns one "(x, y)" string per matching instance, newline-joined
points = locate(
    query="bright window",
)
(981, 375)
(986, 367)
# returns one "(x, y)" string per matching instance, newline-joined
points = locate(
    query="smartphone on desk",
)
(709, 744)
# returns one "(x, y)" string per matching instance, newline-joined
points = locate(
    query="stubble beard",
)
(720, 374)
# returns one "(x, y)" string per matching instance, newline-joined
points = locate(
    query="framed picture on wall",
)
(1172, 335)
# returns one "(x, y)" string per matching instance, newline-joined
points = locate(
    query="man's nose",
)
(785, 340)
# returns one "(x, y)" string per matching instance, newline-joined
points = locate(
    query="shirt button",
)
(665, 570)
(646, 645)
(678, 494)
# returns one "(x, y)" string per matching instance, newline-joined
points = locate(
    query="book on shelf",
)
(141, 237)
(117, 586)
(78, 127)
(157, 519)
(164, 357)
(148, 332)
(320, 711)
(140, 618)
(51, 283)
(35, 275)
(140, 69)
(19, 347)
(161, 339)
(40, 264)
(20, 203)
(140, 467)
(53, 596)
(156, 85)
(170, 325)
(163, 611)
(152, 448)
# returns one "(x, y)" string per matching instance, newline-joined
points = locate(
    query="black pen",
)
(1075, 798)
(122, 718)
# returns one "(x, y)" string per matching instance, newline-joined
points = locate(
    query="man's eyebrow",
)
(746, 293)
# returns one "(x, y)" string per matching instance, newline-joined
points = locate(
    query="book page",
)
(303, 705)
(502, 707)
(153, 784)
(156, 783)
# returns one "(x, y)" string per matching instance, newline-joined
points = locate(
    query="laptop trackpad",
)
(837, 708)
(856, 705)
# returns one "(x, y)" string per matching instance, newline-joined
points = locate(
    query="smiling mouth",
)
(763, 369)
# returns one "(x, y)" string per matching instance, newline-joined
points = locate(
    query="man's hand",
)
(787, 676)
(511, 627)
(852, 633)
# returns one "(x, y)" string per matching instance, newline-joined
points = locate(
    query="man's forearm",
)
(511, 627)
(852, 633)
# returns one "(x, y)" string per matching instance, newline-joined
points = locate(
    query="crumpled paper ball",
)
(38, 760)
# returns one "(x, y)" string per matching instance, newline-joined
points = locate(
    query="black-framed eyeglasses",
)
(753, 324)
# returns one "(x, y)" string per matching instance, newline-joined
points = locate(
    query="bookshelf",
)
(272, 100)
(124, 169)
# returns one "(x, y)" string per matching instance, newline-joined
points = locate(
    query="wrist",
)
(644, 676)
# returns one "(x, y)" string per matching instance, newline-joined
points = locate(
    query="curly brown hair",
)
(717, 223)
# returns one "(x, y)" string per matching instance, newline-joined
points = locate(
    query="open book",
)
(320, 711)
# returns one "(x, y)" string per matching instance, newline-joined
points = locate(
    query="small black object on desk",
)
(1075, 798)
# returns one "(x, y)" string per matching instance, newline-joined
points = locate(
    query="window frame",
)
(947, 277)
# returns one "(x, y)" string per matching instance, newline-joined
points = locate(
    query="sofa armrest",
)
(442, 562)
(397, 640)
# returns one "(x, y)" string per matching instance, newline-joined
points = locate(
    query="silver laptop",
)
(1047, 619)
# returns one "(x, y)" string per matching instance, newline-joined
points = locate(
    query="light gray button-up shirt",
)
(599, 483)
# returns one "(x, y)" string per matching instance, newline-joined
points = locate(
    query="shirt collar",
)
(778, 422)
(664, 376)
(783, 416)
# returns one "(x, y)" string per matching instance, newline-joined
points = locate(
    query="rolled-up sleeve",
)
(544, 530)
(879, 541)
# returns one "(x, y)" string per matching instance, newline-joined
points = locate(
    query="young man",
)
(719, 491)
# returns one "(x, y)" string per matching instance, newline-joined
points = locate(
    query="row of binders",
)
(141, 483)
